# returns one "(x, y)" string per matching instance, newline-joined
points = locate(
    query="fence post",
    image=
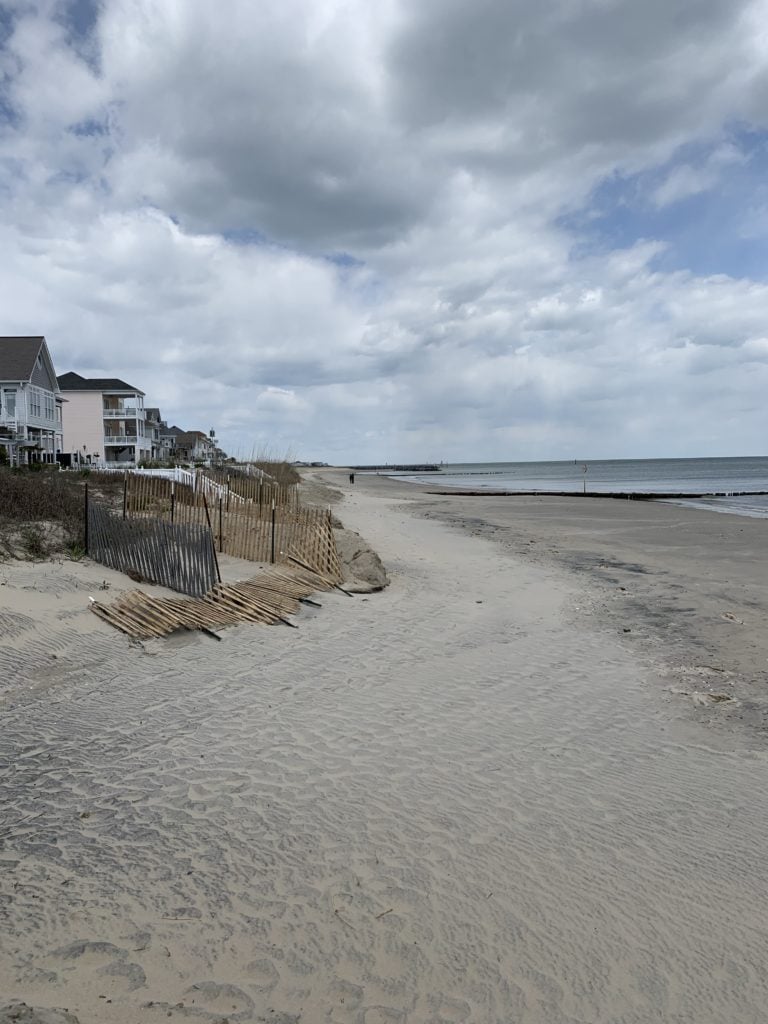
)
(221, 547)
(273, 531)
(125, 493)
(85, 531)
(227, 492)
(173, 500)
(213, 543)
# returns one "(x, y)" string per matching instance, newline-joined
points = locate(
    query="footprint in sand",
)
(451, 1011)
(218, 1001)
(383, 1015)
(262, 975)
(20, 1013)
(106, 961)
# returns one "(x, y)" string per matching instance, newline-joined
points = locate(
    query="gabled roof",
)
(74, 382)
(18, 356)
(189, 438)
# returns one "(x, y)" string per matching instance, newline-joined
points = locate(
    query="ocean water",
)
(720, 480)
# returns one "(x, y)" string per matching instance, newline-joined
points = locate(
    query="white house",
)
(104, 421)
(30, 405)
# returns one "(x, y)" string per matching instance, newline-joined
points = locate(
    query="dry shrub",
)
(280, 470)
(29, 499)
(277, 466)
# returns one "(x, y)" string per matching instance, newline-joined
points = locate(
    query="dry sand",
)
(467, 798)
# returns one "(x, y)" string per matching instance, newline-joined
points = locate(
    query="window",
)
(9, 400)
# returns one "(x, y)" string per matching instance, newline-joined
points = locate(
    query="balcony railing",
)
(118, 414)
(142, 442)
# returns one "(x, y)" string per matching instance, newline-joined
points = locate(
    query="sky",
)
(395, 231)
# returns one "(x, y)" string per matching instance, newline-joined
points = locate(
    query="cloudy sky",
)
(402, 229)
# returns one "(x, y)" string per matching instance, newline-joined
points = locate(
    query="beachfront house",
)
(30, 403)
(194, 446)
(163, 444)
(168, 440)
(104, 421)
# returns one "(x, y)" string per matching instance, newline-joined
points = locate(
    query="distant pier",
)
(426, 468)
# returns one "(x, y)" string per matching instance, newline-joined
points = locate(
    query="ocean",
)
(719, 480)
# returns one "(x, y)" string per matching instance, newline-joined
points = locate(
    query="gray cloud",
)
(265, 121)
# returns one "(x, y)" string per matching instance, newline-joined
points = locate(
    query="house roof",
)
(74, 382)
(18, 356)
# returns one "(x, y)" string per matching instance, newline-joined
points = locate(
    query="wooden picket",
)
(249, 528)
(181, 557)
(259, 489)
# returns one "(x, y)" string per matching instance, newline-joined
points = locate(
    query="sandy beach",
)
(686, 590)
(500, 790)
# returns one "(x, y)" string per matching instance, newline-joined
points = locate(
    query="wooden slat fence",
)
(145, 492)
(242, 528)
(305, 533)
(178, 556)
(259, 489)
(157, 496)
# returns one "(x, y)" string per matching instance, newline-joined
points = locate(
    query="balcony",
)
(120, 414)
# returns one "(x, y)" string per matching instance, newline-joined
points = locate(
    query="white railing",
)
(120, 414)
(215, 491)
(191, 477)
(121, 439)
(181, 476)
(208, 487)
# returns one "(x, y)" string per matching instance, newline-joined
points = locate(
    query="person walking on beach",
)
(351, 478)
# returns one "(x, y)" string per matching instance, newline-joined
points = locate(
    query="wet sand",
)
(467, 798)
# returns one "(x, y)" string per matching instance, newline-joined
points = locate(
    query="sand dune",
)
(445, 802)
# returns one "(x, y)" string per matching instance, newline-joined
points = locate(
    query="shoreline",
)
(618, 495)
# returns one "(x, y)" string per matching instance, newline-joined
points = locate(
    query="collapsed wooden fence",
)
(252, 529)
(268, 598)
(180, 556)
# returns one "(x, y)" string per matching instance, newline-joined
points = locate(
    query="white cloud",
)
(172, 190)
